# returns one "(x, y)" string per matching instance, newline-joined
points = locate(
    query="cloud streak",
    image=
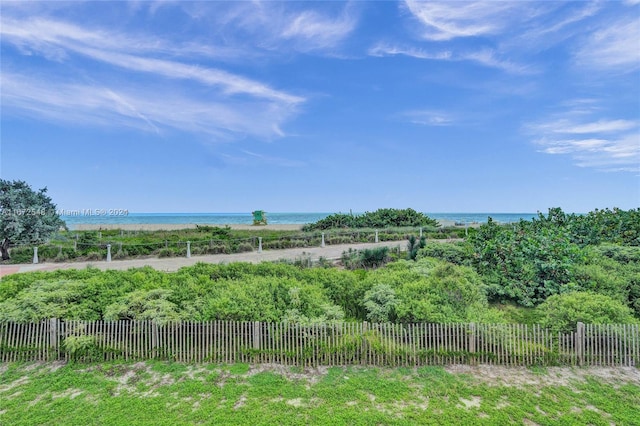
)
(428, 118)
(615, 47)
(484, 57)
(151, 108)
(444, 21)
(604, 144)
(229, 104)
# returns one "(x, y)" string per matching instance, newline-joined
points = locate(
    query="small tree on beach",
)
(26, 216)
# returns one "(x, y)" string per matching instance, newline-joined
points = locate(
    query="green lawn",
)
(162, 393)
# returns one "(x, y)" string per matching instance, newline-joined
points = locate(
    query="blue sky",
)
(308, 106)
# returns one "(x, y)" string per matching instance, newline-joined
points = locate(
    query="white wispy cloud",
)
(285, 27)
(616, 46)
(219, 103)
(604, 144)
(428, 117)
(508, 33)
(484, 57)
(600, 126)
(150, 108)
(316, 31)
(384, 49)
(449, 20)
(54, 39)
(247, 158)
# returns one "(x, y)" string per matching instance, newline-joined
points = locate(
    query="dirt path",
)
(171, 264)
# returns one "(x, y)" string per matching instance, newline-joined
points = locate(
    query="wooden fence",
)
(320, 344)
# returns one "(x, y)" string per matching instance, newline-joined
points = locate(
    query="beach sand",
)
(176, 226)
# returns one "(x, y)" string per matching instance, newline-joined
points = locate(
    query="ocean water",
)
(122, 218)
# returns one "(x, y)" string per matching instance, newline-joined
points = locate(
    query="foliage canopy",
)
(26, 216)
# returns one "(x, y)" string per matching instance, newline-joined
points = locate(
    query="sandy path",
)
(177, 226)
(174, 263)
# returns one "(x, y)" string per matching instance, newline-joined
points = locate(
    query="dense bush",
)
(602, 273)
(366, 258)
(524, 265)
(457, 253)
(51, 299)
(562, 312)
(381, 218)
(380, 303)
(145, 305)
(443, 293)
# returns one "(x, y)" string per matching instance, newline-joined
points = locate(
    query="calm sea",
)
(272, 218)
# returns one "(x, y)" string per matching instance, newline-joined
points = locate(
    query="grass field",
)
(161, 393)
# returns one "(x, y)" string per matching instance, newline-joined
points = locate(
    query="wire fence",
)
(110, 247)
(363, 343)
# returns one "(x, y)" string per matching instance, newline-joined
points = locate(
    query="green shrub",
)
(244, 247)
(380, 303)
(94, 255)
(562, 312)
(152, 305)
(366, 258)
(441, 292)
(64, 299)
(381, 218)
(166, 252)
(82, 347)
(457, 253)
(21, 255)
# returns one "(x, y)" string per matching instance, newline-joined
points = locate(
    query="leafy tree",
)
(26, 216)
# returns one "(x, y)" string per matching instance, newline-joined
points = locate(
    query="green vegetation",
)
(561, 312)
(26, 216)
(381, 219)
(92, 245)
(538, 271)
(162, 393)
(243, 292)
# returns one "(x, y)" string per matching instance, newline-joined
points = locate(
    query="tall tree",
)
(26, 216)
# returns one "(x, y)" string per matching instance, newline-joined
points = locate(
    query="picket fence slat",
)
(320, 344)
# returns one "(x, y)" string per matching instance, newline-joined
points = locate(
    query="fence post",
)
(53, 336)
(365, 349)
(108, 252)
(154, 339)
(188, 249)
(472, 343)
(322, 243)
(580, 343)
(377, 239)
(35, 255)
(257, 334)
(259, 244)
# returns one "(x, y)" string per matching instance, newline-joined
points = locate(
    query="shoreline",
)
(179, 226)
